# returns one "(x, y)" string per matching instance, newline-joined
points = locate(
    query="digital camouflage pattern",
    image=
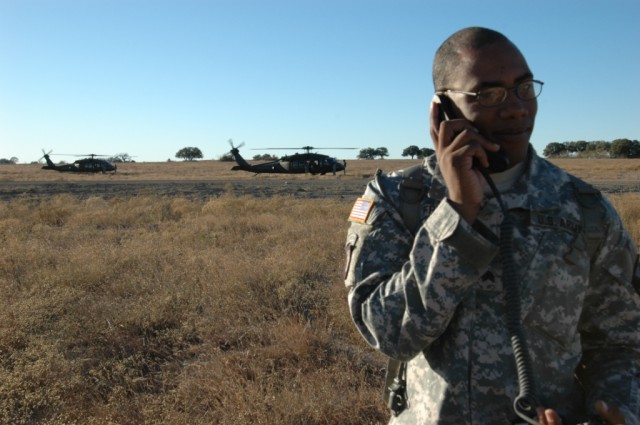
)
(436, 300)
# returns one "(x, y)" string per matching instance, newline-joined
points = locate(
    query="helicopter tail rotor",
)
(233, 147)
(45, 154)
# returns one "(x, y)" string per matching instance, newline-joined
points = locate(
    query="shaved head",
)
(450, 53)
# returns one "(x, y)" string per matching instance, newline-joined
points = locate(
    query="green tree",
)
(367, 153)
(581, 146)
(634, 152)
(597, 149)
(625, 148)
(411, 151)
(227, 157)
(189, 153)
(381, 152)
(554, 149)
(425, 152)
(121, 157)
(570, 147)
(601, 146)
(265, 157)
(620, 148)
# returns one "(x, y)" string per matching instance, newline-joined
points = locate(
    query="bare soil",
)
(204, 179)
(191, 189)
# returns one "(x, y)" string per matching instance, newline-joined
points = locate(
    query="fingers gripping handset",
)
(498, 161)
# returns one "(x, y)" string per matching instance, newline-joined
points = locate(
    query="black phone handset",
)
(498, 161)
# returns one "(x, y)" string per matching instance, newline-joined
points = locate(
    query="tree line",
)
(619, 148)
(413, 151)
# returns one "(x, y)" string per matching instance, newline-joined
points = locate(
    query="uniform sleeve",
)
(610, 324)
(403, 291)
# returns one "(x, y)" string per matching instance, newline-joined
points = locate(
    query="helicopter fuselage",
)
(312, 163)
(86, 165)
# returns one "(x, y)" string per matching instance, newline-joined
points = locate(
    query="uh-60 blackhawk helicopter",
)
(297, 163)
(84, 165)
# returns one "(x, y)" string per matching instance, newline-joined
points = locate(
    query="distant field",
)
(590, 169)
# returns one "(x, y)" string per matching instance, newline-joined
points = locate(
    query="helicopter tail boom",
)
(50, 165)
(242, 163)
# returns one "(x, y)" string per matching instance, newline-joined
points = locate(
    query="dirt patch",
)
(349, 189)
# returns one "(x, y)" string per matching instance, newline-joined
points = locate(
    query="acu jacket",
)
(436, 300)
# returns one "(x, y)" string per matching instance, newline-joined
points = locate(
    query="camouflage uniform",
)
(436, 300)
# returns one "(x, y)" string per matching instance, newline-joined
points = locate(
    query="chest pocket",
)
(555, 281)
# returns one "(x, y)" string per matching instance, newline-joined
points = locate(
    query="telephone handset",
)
(498, 161)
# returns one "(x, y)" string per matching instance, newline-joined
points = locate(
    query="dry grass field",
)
(159, 308)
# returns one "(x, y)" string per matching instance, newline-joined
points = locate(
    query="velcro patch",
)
(361, 210)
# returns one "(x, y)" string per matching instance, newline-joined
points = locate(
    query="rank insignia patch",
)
(361, 210)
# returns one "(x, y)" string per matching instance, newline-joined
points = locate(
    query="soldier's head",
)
(454, 49)
(489, 81)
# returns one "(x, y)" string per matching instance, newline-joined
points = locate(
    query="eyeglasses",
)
(493, 96)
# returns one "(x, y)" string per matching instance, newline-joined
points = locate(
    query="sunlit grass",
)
(159, 310)
(628, 207)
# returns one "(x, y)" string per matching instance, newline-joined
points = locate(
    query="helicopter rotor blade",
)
(92, 155)
(277, 149)
(235, 147)
(294, 149)
(44, 154)
(307, 149)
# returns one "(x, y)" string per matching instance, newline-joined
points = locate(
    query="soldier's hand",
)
(610, 413)
(457, 144)
(548, 417)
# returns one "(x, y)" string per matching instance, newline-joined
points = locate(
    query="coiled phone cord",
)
(526, 401)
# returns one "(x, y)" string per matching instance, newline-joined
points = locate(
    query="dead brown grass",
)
(160, 310)
(628, 207)
(601, 169)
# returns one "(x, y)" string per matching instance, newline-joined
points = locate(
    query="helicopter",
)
(297, 163)
(85, 165)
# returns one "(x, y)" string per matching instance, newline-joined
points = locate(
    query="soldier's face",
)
(510, 123)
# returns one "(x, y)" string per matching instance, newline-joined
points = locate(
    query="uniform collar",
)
(537, 188)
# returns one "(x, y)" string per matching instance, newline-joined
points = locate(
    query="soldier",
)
(437, 296)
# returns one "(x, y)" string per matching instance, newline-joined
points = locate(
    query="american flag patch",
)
(360, 210)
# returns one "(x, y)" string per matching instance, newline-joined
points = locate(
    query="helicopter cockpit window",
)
(297, 165)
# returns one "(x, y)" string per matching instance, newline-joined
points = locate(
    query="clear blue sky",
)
(149, 77)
